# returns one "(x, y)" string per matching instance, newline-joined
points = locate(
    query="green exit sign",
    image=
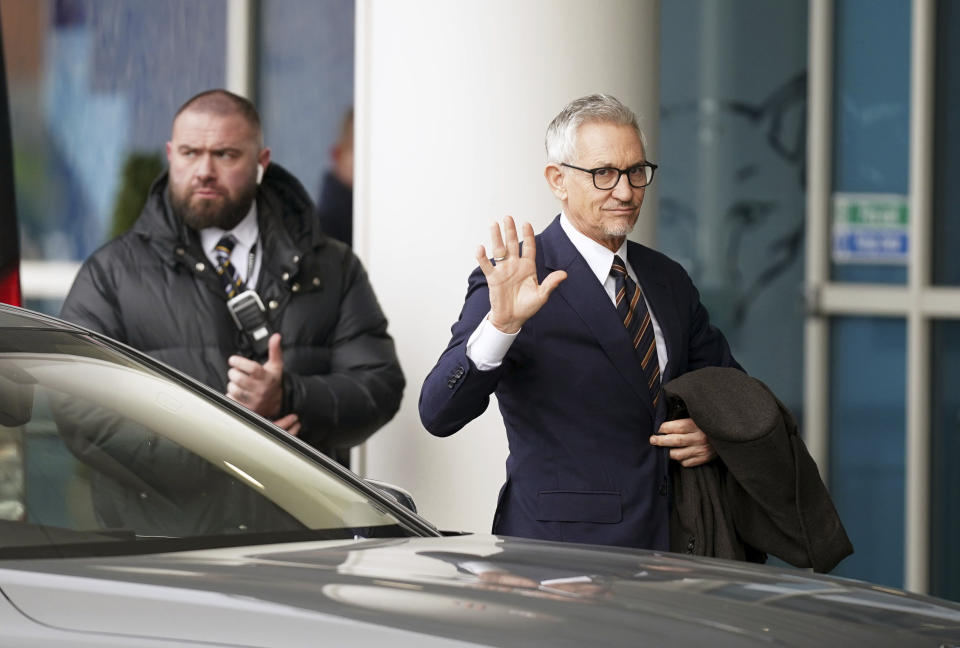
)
(871, 228)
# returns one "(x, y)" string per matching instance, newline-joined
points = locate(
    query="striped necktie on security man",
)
(636, 318)
(228, 274)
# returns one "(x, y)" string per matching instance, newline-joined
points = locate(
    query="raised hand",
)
(515, 293)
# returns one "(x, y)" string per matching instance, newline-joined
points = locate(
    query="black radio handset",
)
(251, 318)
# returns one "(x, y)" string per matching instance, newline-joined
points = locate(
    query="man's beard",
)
(208, 213)
(616, 230)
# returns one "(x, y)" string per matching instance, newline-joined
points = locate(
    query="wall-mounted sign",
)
(870, 228)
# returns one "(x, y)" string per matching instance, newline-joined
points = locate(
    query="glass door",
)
(882, 277)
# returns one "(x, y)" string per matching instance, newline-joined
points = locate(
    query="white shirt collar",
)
(246, 233)
(598, 257)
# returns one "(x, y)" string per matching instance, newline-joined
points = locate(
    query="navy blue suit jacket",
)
(577, 412)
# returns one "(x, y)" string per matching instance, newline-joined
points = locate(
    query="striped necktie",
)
(636, 318)
(228, 274)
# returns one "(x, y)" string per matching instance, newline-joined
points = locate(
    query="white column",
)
(241, 56)
(917, 533)
(817, 327)
(453, 99)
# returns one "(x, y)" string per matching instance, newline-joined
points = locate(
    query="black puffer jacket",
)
(154, 289)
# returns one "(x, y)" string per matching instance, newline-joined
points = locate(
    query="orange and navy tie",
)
(229, 277)
(636, 318)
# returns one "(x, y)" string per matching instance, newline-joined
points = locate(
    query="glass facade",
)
(93, 83)
(871, 144)
(733, 92)
(871, 118)
(305, 83)
(945, 343)
(867, 414)
(946, 196)
(732, 173)
(945, 448)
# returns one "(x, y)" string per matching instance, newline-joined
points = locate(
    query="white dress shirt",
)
(487, 346)
(247, 233)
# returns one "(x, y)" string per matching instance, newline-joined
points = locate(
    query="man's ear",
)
(263, 159)
(555, 178)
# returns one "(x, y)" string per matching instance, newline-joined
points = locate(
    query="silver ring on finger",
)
(499, 259)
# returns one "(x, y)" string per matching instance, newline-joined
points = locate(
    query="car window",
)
(96, 450)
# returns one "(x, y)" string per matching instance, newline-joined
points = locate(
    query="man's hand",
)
(290, 423)
(687, 442)
(259, 387)
(515, 294)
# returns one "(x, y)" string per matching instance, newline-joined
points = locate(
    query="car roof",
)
(15, 317)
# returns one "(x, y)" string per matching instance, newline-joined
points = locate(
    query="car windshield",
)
(100, 454)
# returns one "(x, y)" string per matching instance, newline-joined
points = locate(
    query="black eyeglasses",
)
(605, 178)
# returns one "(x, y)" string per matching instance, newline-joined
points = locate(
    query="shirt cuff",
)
(488, 346)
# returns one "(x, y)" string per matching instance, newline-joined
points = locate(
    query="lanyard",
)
(251, 259)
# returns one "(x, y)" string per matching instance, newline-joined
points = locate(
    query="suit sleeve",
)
(706, 344)
(455, 392)
(365, 384)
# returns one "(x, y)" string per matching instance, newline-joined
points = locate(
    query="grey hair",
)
(561, 139)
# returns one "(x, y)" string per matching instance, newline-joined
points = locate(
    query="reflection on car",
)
(140, 508)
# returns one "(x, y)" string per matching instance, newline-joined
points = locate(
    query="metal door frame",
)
(918, 301)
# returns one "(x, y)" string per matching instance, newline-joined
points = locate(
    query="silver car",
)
(139, 508)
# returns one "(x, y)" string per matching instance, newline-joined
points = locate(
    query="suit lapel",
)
(585, 296)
